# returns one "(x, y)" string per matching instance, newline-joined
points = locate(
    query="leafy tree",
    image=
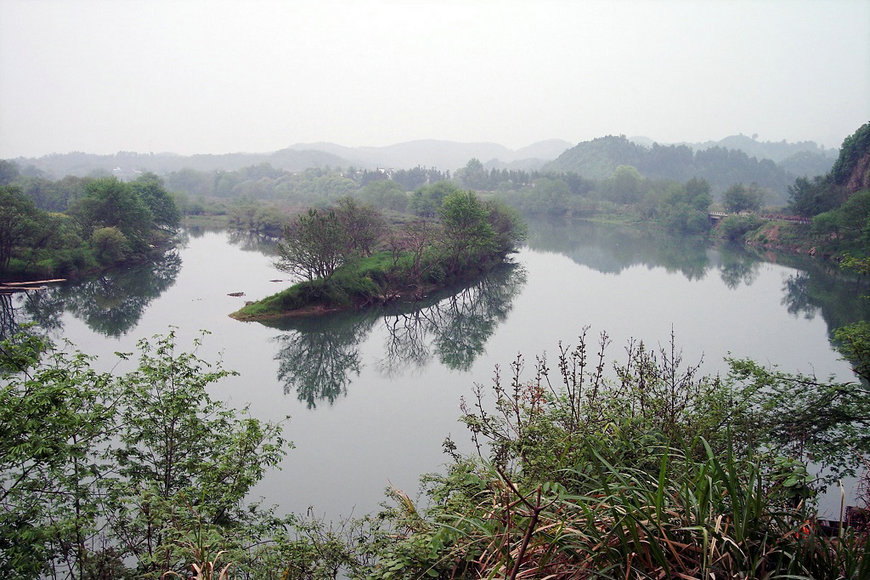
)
(808, 419)
(426, 201)
(110, 245)
(626, 185)
(473, 175)
(19, 222)
(314, 246)
(467, 231)
(684, 208)
(385, 194)
(855, 147)
(258, 218)
(98, 472)
(56, 414)
(363, 225)
(506, 224)
(414, 239)
(740, 198)
(698, 191)
(109, 202)
(550, 195)
(810, 197)
(849, 223)
(179, 448)
(8, 172)
(735, 227)
(163, 209)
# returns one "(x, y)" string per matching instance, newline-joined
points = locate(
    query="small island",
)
(348, 256)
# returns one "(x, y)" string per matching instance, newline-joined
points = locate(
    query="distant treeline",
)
(672, 185)
(720, 167)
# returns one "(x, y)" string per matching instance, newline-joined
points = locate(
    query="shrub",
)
(734, 227)
(658, 472)
(110, 245)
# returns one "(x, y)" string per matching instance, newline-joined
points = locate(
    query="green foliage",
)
(473, 175)
(100, 471)
(828, 193)
(19, 222)
(684, 208)
(56, 414)
(314, 246)
(735, 227)
(333, 251)
(362, 224)
(626, 185)
(809, 419)
(8, 172)
(848, 225)
(385, 194)
(743, 198)
(721, 167)
(659, 473)
(109, 222)
(426, 201)
(112, 203)
(150, 189)
(810, 197)
(468, 235)
(855, 147)
(110, 245)
(258, 219)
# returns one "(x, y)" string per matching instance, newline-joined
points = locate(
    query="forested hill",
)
(443, 155)
(721, 167)
(592, 159)
(852, 169)
(128, 165)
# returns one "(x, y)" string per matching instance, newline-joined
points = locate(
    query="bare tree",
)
(314, 246)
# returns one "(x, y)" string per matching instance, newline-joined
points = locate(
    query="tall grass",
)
(595, 478)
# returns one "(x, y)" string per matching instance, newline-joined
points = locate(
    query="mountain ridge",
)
(806, 157)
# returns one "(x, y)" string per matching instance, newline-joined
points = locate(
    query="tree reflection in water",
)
(110, 304)
(457, 325)
(737, 267)
(318, 357)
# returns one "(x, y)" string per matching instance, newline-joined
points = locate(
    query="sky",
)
(220, 76)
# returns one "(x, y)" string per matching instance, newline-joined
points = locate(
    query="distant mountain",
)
(804, 158)
(127, 164)
(720, 166)
(444, 155)
(776, 151)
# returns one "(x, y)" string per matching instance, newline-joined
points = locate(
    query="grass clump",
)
(657, 473)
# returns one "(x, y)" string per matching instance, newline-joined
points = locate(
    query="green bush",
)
(658, 472)
(735, 227)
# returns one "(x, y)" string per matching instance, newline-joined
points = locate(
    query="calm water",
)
(372, 395)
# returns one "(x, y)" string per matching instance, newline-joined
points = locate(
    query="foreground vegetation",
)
(582, 467)
(641, 468)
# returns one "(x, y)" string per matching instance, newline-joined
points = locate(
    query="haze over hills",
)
(589, 158)
(444, 155)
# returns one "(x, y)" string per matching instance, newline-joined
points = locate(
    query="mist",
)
(228, 76)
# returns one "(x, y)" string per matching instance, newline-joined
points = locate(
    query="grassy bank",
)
(376, 279)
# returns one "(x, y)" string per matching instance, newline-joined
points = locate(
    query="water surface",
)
(372, 395)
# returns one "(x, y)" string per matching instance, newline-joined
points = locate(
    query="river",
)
(371, 396)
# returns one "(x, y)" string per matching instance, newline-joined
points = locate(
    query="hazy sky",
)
(226, 76)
